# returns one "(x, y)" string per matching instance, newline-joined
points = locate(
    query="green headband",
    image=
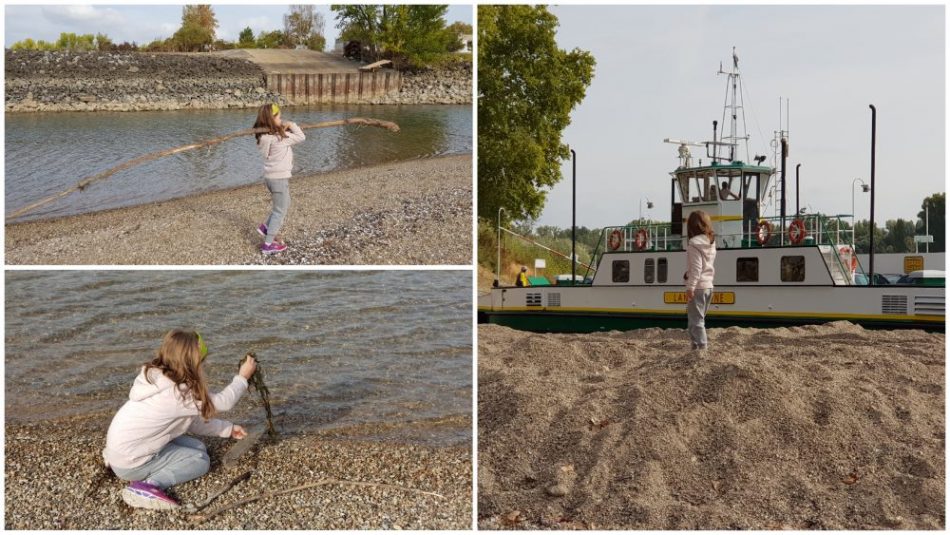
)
(202, 348)
(274, 109)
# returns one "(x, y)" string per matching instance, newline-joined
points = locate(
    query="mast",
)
(733, 106)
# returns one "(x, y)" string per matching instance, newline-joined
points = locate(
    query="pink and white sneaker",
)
(262, 229)
(272, 248)
(147, 496)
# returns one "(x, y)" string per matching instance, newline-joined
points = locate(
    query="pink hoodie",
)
(278, 156)
(700, 256)
(156, 414)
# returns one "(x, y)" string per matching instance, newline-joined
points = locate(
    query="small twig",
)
(197, 519)
(194, 508)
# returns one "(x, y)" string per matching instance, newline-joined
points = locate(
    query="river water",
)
(48, 152)
(340, 350)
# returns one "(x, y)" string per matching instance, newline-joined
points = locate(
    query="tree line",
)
(409, 35)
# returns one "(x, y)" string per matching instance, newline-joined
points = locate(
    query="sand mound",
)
(817, 427)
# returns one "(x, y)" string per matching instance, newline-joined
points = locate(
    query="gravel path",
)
(50, 466)
(410, 213)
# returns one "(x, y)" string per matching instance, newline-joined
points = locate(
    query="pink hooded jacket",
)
(700, 256)
(156, 414)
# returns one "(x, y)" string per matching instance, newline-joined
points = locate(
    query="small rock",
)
(557, 490)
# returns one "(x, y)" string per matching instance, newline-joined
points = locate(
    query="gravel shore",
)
(50, 467)
(410, 213)
(813, 427)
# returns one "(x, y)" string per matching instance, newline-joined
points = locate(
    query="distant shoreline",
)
(141, 81)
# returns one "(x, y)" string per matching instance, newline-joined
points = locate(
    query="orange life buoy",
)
(616, 238)
(796, 231)
(642, 239)
(763, 232)
(846, 250)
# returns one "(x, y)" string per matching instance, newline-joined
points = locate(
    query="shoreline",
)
(396, 213)
(52, 465)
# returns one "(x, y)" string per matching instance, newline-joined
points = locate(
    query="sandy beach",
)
(814, 427)
(414, 212)
(51, 465)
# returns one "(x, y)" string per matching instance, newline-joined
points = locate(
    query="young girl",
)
(274, 146)
(146, 443)
(700, 256)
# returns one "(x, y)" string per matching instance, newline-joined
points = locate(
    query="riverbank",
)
(141, 81)
(50, 466)
(813, 427)
(416, 212)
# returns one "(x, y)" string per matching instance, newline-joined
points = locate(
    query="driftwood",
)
(195, 507)
(197, 519)
(84, 183)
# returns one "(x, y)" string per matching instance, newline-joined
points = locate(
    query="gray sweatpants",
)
(696, 313)
(182, 459)
(280, 197)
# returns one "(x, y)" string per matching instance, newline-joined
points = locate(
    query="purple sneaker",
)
(147, 496)
(272, 248)
(262, 229)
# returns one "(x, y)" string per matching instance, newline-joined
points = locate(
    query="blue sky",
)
(656, 78)
(144, 23)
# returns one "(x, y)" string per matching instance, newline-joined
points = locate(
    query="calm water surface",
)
(340, 349)
(48, 152)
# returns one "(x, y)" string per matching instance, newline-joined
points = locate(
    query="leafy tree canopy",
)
(527, 88)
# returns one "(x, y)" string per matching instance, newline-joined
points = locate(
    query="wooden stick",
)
(84, 183)
(194, 508)
(197, 519)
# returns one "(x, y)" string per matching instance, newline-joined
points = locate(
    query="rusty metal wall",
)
(351, 87)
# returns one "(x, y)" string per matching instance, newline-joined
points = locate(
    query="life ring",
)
(763, 232)
(846, 250)
(615, 239)
(796, 231)
(642, 238)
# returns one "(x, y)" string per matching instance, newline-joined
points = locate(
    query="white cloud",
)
(82, 15)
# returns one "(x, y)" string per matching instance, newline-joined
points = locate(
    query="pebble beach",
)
(409, 213)
(52, 466)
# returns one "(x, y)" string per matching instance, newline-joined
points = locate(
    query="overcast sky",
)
(145, 23)
(656, 78)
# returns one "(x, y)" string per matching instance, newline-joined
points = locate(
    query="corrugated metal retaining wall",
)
(333, 87)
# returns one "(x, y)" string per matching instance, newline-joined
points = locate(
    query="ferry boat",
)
(790, 269)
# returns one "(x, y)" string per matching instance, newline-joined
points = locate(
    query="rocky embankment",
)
(141, 81)
(93, 81)
(445, 85)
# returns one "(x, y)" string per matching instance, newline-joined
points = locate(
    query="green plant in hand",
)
(256, 380)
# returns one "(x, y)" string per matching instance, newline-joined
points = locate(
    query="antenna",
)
(732, 105)
(683, 152)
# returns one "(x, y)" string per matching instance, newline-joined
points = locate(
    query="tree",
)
(274, 39)
(103, 43)
(937, 217)
(410, 35)
(192, 37)
(862, 242)
(304, 26)
(527, 88)
(72, 41)
(246, 38)
(899, 237)
(200, 15)
(458, 29)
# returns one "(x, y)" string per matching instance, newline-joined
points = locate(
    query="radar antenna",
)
(683, 152)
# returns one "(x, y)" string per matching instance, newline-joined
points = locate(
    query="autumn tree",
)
(198, 25)
(527, 87)
(304, 26)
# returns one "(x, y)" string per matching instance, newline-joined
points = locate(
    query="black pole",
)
(784, 157)
(574, 219)
(798, 210)
(873, 189)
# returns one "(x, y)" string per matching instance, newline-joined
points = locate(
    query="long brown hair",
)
(179, 359)
(699, 223)
(265, 119)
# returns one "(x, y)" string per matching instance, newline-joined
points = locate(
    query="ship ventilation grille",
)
(533, 299)
(554, 299)
(894, 304)
(930, 305)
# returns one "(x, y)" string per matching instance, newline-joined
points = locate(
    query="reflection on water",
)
(46, 153)
(340, 349)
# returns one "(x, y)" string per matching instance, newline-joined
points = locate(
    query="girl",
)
(146, 443)
(274, 146)
(700, 256)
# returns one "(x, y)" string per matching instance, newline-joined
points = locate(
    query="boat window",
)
(696, 190)
(661, 270)
(750, 186)
(648, 269)
(730, 187)
(683, 189)
(747, 270)
(621, 271)
(793, 268)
